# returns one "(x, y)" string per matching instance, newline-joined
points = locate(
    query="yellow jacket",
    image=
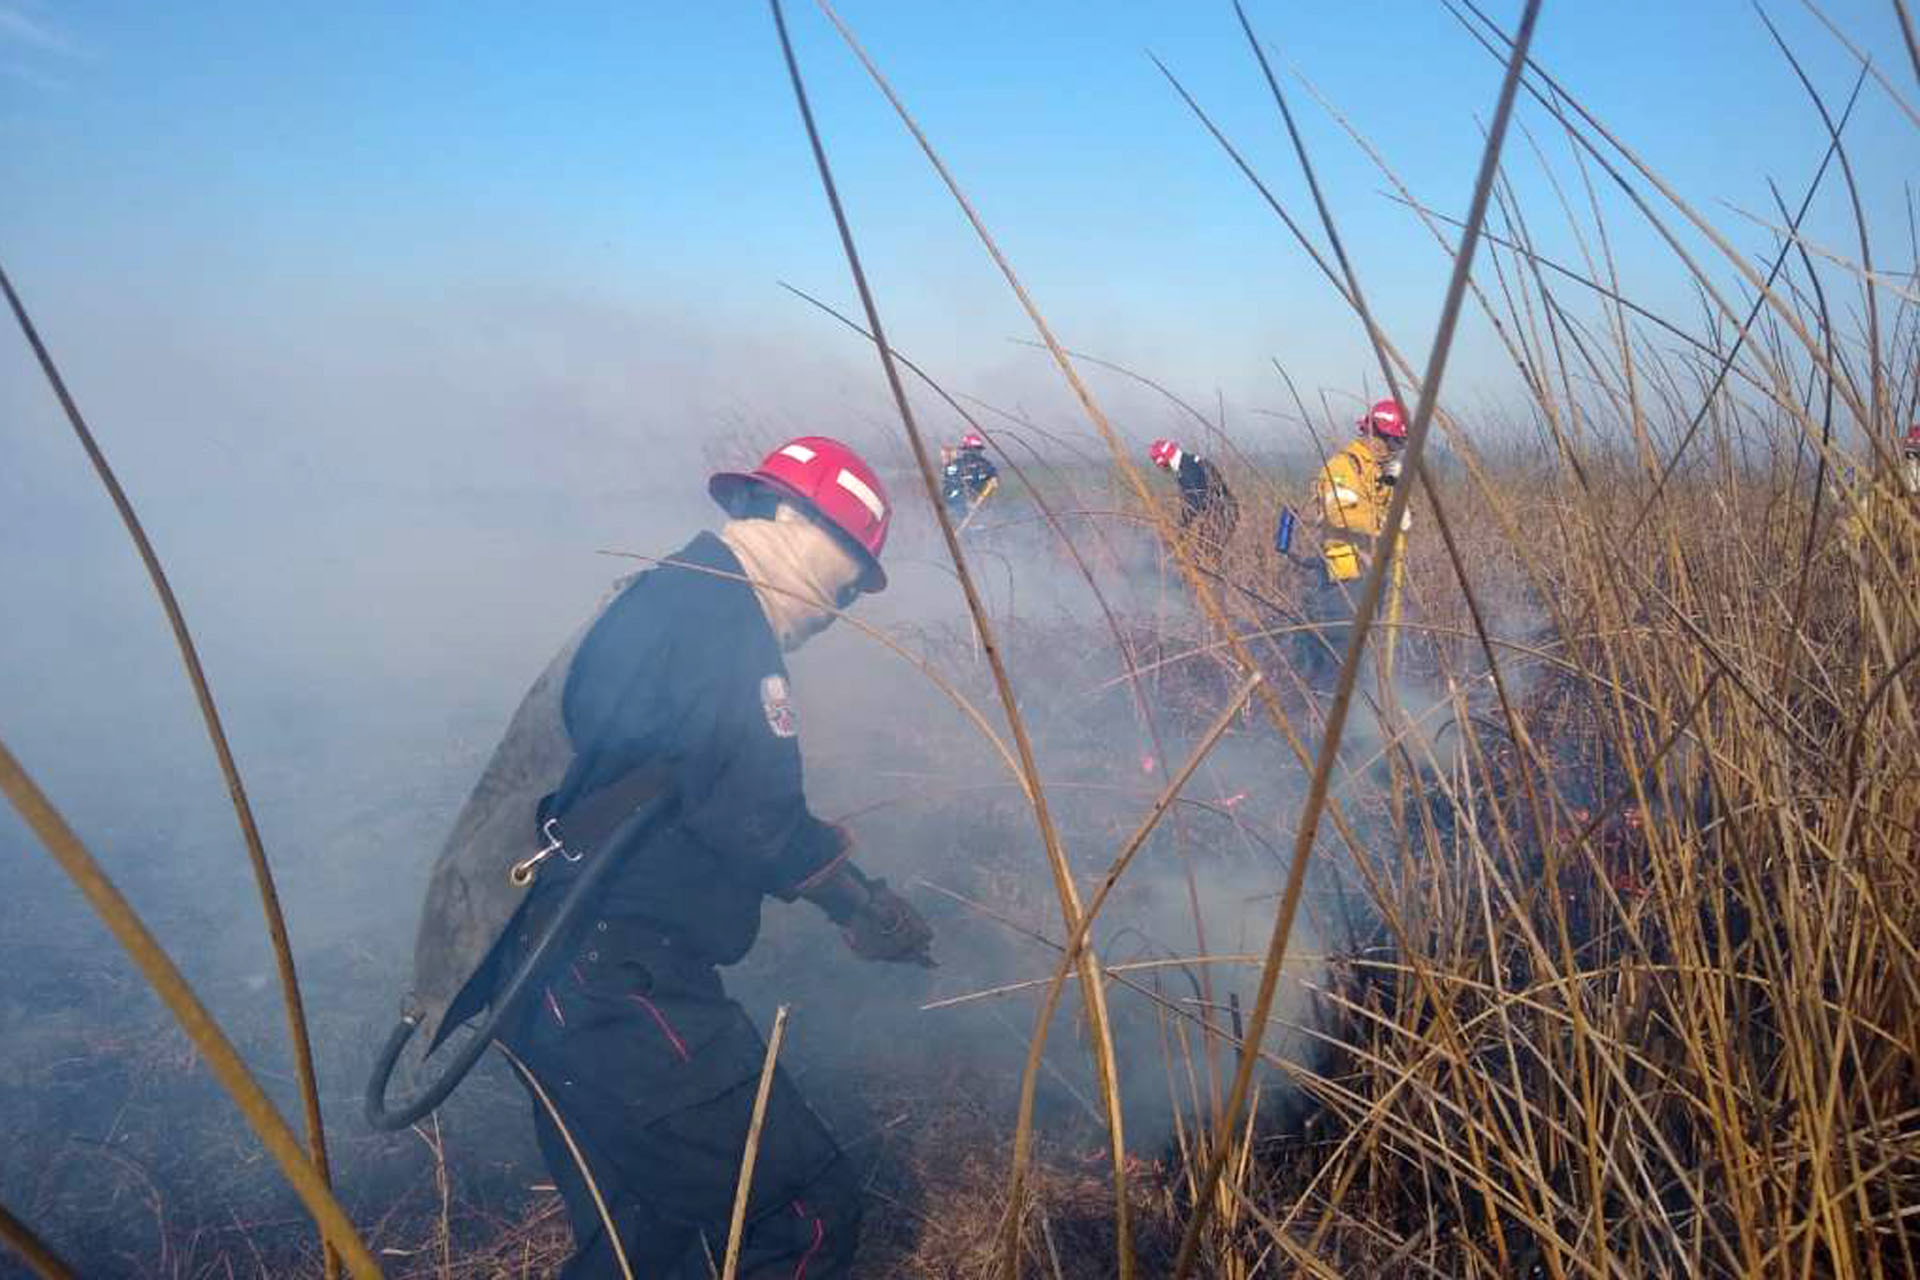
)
(1353, 507)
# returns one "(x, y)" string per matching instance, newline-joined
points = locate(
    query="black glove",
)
(888, 928)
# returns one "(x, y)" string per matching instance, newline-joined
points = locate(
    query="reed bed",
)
(1625, 837)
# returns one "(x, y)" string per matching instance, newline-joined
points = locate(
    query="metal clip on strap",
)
(520, 875)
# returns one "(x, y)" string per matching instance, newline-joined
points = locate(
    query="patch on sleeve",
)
(777, 702)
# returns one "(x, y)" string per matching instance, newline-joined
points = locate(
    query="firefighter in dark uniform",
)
(1208, 509)
(680, 684)
(968, 477)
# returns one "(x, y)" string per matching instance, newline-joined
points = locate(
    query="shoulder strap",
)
(599, 811)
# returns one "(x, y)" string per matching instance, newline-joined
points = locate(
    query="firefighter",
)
(1208, 509)
(678, 689)
(968, 476)
(1350, 496)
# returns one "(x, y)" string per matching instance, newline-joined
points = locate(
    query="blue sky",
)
(231, 211)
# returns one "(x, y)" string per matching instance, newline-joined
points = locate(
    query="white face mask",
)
(804, 568)
(803, 630)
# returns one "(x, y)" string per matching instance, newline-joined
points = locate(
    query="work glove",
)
(888, 928)
(1390, 472)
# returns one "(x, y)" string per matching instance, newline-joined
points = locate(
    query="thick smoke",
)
(376, 569)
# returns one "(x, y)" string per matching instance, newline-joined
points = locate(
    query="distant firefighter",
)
(1350, 496)
(661, 746)
(969, 476)
(1208, 508)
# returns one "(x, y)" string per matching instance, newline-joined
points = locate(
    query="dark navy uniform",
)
(652, 1066)
(1207, 506)
(965, 477)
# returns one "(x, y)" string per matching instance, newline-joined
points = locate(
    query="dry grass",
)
(1643, 995)
(1629, 982)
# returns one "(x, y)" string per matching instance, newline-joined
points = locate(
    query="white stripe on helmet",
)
(860, 489)
(798, 452)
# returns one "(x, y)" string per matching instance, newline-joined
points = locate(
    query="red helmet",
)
(1912, 442)
(1163, 452)
(1386, 418)
(973, 440)
(832, 480)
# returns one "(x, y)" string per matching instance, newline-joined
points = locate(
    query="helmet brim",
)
(732, 489)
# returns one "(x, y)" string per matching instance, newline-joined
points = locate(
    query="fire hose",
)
(508, 994)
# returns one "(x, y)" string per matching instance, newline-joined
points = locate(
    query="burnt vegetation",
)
(1583, 924)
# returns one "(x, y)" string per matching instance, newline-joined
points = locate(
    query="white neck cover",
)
(797, 570)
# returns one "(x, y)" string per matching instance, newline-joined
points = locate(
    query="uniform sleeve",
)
(739, 778)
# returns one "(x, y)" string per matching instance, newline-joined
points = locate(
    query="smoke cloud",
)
(381, 522)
